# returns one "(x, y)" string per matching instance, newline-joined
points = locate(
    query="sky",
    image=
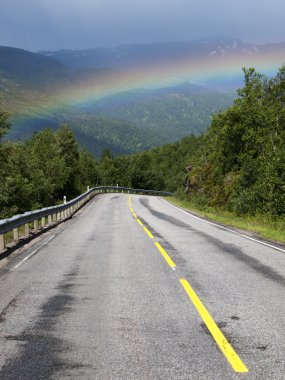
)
(81, 24)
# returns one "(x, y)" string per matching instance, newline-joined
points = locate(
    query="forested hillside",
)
(170, 114)
(94, 133)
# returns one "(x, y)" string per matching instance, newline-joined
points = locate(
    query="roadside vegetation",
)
(40, 171)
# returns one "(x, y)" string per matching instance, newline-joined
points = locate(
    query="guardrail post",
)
(54, 218)
(16, 234)
(2, 243)
(36, 225)
(43, 223)
(49, 220)
(27, 229)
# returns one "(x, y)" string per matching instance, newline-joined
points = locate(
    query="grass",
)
(9, 238)
(259, 225)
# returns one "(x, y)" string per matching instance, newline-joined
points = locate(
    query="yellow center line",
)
(219, 337)
(165, 255)
(148, 233)
(139, 222)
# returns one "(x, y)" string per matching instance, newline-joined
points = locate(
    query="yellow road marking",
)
(139, 222)
(149, 233)
(219, 337)
(165, 255)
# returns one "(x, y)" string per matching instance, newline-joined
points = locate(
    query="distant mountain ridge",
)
(136, 55)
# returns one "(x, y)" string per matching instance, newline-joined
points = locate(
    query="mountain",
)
(133, 121)
(35, 89)
(169, 113)
(94, 132)
(22, 65)
(29, 80)
(140, 55)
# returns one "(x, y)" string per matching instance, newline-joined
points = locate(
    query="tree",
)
(4, 123)
(69, 152)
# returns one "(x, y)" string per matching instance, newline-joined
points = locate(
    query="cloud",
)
(50, 24)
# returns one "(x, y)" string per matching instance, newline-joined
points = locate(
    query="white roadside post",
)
(27, 229)
(64, 212)
(16, 234)
(2, 243)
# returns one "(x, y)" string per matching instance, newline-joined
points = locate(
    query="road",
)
(135, 288)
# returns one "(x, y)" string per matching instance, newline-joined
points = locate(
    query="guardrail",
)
(46, 217)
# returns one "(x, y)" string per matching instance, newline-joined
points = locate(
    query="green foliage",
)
(161, 168)
(4, 123)
(243, 170)
(169, 117)
(120, 136)
(40, 171)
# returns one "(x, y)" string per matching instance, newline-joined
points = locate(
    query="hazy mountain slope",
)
(120, 136)
(93, 132)
(30, 81)
(140, 54)
(18, 64)
(170, 115)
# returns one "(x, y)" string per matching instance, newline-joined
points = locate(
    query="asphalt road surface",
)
(135, 288)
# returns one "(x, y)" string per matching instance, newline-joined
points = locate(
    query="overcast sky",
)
(79, 24)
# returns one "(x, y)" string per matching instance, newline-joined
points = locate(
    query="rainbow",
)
(155, 76)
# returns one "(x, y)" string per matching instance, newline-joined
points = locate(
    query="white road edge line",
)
(52, 237)
(225, 228)
(33, 253)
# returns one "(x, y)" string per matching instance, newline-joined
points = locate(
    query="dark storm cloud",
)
(55, 24)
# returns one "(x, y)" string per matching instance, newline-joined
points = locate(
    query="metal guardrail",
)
(56, 214)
